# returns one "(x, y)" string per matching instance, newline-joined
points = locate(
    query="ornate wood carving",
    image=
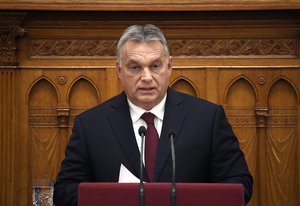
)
(282, 144)
(285, 118)
(42, 118)
(249, 48)
(68, 48)
(199, 48)
(63, 115)
(9, 30)
(261, 116)
(242, 120)
(60, 119)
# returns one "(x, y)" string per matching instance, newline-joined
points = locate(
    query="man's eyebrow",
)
(157, 60)
(131, 61)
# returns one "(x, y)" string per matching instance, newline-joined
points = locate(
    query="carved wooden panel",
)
(43, 130)
(264, 110)
(189, 80)
(53, 99)
(282, 143)
(68, 48)
(9, 131)
(240, 98)
(95, 48)
(242, 48)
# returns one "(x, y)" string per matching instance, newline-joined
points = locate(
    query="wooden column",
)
(9, 112)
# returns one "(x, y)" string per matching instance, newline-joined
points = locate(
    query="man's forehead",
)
(147, 50)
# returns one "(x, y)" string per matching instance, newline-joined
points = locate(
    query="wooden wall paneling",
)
(150, 5)
(43, 133)
(239, 96)
(282, 144)
(9, 136)
(10, 132)
(246, 61)
(189, 80)
(212, 82)
(54, 98)
(274, 158)
(293, 77)
(298, 152)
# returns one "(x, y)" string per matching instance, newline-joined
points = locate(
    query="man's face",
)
(144, 71)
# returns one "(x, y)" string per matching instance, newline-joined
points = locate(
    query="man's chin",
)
(147, 100)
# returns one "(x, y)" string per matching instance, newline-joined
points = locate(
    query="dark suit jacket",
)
(103, 139)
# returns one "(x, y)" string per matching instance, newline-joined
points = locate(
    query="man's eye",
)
(155, 67)
(134, 68)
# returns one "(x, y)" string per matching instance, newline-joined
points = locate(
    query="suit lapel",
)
(173, 119)
(121, 124)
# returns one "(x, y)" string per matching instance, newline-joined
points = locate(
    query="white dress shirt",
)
(136, 113)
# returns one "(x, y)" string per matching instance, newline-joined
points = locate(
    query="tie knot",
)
(148, 117)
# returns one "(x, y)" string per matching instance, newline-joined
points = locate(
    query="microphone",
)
(142, 133)
(173, 186)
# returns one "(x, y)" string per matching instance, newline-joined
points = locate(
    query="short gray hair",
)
(141, 33)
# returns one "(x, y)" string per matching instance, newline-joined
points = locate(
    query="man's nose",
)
(146, 74)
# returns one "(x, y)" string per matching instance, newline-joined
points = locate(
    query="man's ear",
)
(118, 68)
(170, 66)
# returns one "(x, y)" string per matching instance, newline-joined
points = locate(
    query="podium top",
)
(192, 194)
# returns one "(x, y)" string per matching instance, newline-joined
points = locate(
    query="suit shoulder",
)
(101, 109)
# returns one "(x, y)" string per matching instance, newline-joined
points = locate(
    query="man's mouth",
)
(146, 89)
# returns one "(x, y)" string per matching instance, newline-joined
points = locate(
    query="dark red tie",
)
(151, 144)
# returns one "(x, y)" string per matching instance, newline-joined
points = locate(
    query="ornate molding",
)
(63, 117)
(198, 48)
(60, 117)
(43, 120)
(261, 116)
(246, 48)
(282, 121)
(264, 117)
(282, 117)
(70, 48)
(261, 80)
(153, 5)
(242, 120)
(241, 116)
(9, 30)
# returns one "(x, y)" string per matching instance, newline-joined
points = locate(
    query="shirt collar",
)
(136, 112)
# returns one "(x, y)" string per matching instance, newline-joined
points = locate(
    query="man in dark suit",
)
(105, 143)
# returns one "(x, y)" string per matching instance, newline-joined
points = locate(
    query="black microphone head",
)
(142, 131)
(171, 133)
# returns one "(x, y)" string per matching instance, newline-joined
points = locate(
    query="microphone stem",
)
(173, 189)
(142, 192)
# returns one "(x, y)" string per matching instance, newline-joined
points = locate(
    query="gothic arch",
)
(234, 82)
(183, 84)
(42, 78)
(282, 141)
(78, 79)
(288, 82)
